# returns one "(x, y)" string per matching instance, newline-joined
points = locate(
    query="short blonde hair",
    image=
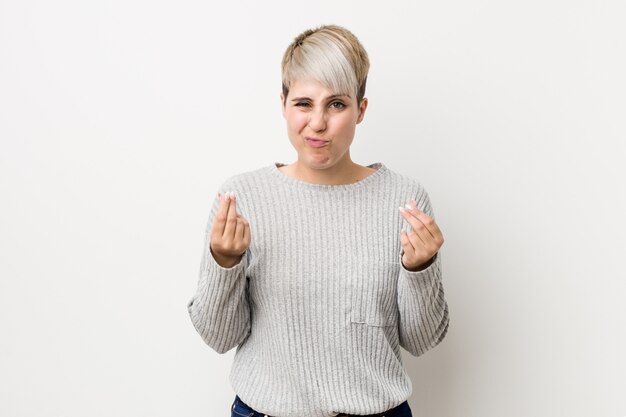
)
(331, 55)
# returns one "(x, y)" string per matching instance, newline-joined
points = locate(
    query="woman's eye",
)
(302, 104)
(337, 105)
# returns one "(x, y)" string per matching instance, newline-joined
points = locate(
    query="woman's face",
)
(320, 124)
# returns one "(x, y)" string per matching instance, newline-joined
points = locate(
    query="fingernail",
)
(408, 207)
(402, 209)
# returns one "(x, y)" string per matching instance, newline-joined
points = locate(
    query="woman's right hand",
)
(230, 235)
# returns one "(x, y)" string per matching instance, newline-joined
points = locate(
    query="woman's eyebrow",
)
(334, 96)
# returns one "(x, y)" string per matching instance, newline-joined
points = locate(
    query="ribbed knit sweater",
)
(320, 303)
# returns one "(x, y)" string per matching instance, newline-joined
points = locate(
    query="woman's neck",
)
(348, 174)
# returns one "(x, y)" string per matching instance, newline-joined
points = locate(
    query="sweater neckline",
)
(381, 169)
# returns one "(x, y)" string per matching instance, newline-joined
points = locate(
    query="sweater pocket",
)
(374, 294)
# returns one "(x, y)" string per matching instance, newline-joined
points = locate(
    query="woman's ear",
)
(282, 103)
(362, 108)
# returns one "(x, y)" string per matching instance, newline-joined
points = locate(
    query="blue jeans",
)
(241, 409)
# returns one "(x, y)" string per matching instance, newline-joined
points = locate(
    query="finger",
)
(416, 240)
(246, 233)
(423, 234)
(406, 243)
(431, 226)
(220, 217)
(241, 227)
(428, 221)
(231, 217)
(416, 224)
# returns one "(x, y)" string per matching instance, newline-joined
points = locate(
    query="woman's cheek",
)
(297, 120)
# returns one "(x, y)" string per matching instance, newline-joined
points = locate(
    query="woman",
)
(310, 269)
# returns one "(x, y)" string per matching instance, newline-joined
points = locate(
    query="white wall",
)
(119, 120)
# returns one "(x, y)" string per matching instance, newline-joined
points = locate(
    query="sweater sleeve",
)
(423, 320)
(219, 310)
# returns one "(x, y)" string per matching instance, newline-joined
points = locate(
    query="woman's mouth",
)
(316, 143)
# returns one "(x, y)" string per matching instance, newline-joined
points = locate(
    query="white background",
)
(120, 119)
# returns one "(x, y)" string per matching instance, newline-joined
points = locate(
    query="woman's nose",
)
(317, 120)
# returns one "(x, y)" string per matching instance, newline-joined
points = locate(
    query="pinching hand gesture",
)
(422, 242)
(230, 235)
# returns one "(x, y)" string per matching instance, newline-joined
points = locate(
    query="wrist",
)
(225, 261)
(421, 267)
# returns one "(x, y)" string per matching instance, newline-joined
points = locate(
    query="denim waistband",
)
(389, 413)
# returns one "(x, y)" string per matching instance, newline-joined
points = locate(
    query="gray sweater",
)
(320, 303)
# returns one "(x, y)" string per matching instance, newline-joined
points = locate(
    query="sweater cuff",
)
(216, 276)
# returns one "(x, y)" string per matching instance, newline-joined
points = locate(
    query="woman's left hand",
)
(422, 242)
